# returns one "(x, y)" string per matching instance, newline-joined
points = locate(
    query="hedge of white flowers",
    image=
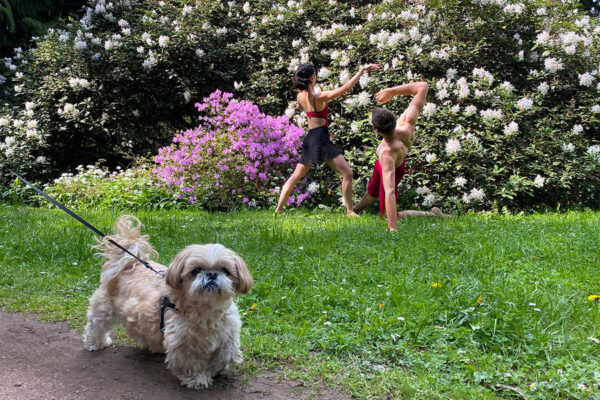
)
(512, 118)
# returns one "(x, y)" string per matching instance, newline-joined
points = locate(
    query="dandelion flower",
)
(436, 284)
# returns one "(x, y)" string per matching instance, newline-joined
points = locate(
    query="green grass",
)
(345, 302)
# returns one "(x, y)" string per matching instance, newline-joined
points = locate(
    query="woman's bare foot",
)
(351, 213)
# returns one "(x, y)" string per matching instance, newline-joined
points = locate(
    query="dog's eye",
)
(226, 271)
(196, 271)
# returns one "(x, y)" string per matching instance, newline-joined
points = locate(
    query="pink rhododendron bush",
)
(235, 156)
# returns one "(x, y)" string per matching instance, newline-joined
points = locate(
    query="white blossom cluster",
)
(565, 55)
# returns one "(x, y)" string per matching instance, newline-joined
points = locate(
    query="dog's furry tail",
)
(129, 236)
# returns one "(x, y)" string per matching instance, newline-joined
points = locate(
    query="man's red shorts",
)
(375, 187)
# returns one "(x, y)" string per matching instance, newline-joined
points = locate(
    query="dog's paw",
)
(91, 345)
(200, 381)
(238, 358)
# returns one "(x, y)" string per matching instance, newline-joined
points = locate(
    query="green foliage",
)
(93, 188)
(463, 308)
(121, 81)
(22, 19)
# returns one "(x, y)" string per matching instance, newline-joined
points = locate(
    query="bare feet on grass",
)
(435, 212)
(438, 212)
(352, 214)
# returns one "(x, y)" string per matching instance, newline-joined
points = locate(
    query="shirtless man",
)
(397, 140)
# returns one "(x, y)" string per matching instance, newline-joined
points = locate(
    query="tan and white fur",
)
(202, 338)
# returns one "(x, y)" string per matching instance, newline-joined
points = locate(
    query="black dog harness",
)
(165, 303)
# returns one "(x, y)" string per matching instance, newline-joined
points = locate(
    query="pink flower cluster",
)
(235, 154)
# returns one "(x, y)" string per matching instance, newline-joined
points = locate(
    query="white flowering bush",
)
(115, 84)
(94, 187)
(511, 120)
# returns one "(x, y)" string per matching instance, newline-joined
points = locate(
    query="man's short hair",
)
(383, 120)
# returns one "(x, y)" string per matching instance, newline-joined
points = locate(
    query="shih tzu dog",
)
(197, 325)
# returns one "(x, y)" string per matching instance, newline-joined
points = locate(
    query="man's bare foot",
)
(351, 213)
(438, 212)
(401, 214)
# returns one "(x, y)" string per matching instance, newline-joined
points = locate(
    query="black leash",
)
(84, 222)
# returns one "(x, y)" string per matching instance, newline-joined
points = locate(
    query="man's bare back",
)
(398, 136)
(398, 146)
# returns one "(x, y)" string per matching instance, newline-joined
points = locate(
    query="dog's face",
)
(208, 271)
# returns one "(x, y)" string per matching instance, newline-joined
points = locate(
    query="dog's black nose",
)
(211, 275)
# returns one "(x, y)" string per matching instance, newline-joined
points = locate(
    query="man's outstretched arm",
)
(416, 89)
(388, 172)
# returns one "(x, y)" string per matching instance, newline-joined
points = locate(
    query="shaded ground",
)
(40, 360)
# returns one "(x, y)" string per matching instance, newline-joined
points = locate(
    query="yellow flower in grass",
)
(479, 300)
(380, 305)
(436, 284)
(594, 297)
(253, 306)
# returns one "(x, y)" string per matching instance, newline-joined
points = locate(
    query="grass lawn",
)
(475, 307)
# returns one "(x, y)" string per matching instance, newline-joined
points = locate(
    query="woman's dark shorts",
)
(317, 147)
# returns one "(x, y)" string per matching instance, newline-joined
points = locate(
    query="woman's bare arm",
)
(329, 95)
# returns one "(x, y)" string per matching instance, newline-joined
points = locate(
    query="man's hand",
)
(383, 96)
(370, 67)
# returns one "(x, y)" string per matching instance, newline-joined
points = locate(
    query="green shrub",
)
(93, 187)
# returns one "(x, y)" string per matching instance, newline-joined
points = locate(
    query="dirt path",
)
(40, 360)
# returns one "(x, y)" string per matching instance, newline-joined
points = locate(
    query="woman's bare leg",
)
(340, 165)
(286, 190)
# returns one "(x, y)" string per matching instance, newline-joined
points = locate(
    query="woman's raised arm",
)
(329, 95)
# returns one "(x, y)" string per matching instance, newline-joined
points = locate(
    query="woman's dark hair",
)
(383, 120)
(302, 76)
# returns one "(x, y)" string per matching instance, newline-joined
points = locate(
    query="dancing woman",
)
(317, 146)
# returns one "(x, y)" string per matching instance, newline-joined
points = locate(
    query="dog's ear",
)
(173, 277)
(244, 279)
